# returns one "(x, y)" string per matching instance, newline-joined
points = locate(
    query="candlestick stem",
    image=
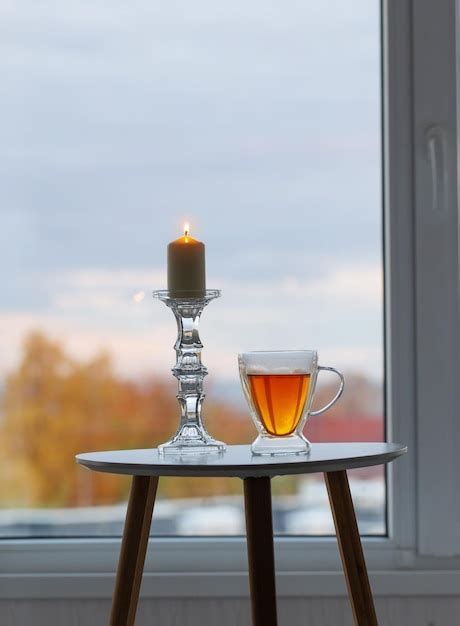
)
(191, 436)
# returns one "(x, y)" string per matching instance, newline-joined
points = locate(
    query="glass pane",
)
(258, 123)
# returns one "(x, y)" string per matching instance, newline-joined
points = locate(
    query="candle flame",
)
(186, 229)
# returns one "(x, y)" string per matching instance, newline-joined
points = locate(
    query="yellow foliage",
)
(55, 407)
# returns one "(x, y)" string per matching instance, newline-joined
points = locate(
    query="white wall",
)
(430, 611)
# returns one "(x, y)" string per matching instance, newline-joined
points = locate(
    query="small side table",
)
(146, 467)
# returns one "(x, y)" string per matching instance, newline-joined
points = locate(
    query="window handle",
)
(436, 152)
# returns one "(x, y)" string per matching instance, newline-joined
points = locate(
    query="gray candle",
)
(186, 267)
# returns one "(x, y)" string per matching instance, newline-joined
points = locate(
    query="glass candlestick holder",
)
(191, 436)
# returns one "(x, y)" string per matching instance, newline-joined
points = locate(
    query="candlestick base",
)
(189, 439)
(191, 436)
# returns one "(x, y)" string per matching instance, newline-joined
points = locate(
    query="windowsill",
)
(213, 568)
(225, 585)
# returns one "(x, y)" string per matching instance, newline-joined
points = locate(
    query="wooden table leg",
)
(133, 549)
(259, 531)
(351, 549)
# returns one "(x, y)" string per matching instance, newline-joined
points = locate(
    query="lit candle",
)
(186, 267)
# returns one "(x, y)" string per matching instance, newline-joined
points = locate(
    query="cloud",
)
(93, 309)
(108, 278)
(121, 119)
(136, 354)
(344, 284)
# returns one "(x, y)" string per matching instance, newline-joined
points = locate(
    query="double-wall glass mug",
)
(279, 388)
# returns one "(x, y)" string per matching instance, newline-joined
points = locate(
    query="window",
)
(113, 181)
(261, 126)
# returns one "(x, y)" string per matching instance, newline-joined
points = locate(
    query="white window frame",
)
(421, 554)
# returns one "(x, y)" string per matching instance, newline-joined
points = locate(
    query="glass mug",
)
(279, 388)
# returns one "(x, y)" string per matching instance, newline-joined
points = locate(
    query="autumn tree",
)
(55, 406)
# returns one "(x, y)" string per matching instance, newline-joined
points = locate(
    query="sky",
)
(257, 122)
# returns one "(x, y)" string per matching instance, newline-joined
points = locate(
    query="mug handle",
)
(337, 395)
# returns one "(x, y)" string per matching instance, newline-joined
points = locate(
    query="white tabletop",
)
(239, 461)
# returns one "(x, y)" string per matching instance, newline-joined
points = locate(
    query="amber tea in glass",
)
(279, 388)
(279, 400)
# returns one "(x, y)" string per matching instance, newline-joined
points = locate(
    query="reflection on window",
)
(261, 126)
